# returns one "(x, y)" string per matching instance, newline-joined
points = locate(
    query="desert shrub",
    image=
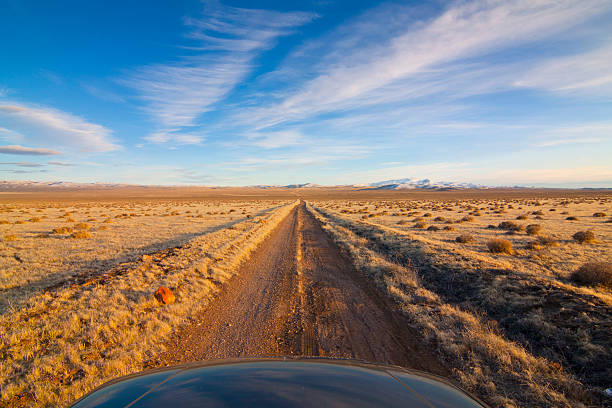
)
(533, 245)
(500, 246)
(81, 234)
(102, 228)
(433, 228)
(419, 219)
(467, 218)
(510, 226)
(19, 222)
(62, 230)
(594, 273)
(70, 220)
(571, 218)
(548, 241)
(599, 214)
(420, 224)
(427, 215)
(81, 226)
(491, 226)
(522, 217)
(449, 228)
(584, 237)
(10, 237)
(402, 222)
(34, 219)
(533, 229)
(464, 238)
(4, 222)
(439, 219)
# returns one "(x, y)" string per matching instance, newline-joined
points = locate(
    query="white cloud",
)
(50, 126)
(228, 39)
(575, 134)
(274, 140)
(424, 57)
(585, 71)
(21, 150)
(23, 164)
(178, 138)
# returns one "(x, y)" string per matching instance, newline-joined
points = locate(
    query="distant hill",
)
(412, 183)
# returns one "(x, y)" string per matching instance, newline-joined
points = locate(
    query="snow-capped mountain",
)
(412, 183)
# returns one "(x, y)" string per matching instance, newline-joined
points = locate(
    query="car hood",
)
(279, 383)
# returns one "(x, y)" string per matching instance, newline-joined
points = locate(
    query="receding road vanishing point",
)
(299, 295)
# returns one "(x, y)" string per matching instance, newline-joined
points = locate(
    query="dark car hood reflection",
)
(279, 383)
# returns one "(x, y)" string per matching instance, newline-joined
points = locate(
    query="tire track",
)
(300, 295)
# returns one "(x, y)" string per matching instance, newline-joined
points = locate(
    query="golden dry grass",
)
(517, 330)
(80, 328)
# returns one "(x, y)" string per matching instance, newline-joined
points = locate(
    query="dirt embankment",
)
(299, 295)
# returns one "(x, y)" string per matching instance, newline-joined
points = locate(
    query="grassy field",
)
(79, 309)
(515, 321)
(510, 288)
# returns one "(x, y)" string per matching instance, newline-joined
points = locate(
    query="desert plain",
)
(506, 292)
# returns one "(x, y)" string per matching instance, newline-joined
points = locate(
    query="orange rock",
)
(163, 295)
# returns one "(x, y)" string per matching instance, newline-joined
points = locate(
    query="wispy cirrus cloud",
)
(428, 56)
(227, 41)
(23, 164)
(28, 151)
(588, 71)
(43, 125)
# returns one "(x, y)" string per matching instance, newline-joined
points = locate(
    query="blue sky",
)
(514, 92)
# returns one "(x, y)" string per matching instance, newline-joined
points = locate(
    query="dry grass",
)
(500, 246)
(584, 237)
(594, 273)
(498, 370)
(92, 325)
(528, 300)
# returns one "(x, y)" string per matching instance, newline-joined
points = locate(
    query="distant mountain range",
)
(427, 184)
(394, 184)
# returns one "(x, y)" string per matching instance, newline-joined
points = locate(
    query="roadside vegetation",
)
(521, 322)
(88, 325)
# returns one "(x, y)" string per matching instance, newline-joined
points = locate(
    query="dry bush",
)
(584, 237)
(464, 238)
(572, 218)
(4, 222)
(522, 217)
(594, 273)
(61, 230)
(420, 225)
(81, 226)
(533, 229)
(433, 228)
(467, 218)
(80, 234)
(599, 214)
(35, 219)
(439, 219)
(402, 222)
(448, 228)
(533, 245)
(510, 226)
(10, 237)
(548, 241)
(500, 246)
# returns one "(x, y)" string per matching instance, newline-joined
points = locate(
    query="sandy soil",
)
(299, 295)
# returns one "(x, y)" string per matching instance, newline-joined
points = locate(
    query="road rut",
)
(299, 295)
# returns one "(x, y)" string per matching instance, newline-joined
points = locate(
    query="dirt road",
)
(300, 295)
